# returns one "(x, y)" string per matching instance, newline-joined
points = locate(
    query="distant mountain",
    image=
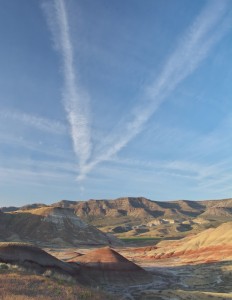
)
(134, 216)
(9, 208)
(215, 203)
(217, 211)
(141, 209)
(32, 206)
(50, 226)
(137, 207)
(131, 207)
(25, 207)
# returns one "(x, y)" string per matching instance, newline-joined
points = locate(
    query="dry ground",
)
(20, 285)
(172, 280)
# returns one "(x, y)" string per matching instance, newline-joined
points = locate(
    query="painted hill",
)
(106, 266)
(51, 226)
(214, 244)
(107, 259)
(220, 236)
(28, 272)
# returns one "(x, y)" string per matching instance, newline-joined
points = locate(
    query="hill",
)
(28, 255)
(213, 244)
(50, 226)
(27, 272)
(220, 236)
(107, 267)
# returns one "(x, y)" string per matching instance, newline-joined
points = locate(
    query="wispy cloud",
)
(49, 150)
(35, 172)
(74, 98)
(37, 122)
(194, 46)
(192, 159)
(182, 177)
(59, 166)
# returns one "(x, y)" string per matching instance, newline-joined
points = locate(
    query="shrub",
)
(4, 266)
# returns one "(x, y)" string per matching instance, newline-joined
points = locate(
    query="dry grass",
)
(18, 285)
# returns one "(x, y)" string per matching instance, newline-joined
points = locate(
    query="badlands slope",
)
(27, 272)
(211, 245)
(131, 217)
(195, 267)
(107, 267)
(50, 226)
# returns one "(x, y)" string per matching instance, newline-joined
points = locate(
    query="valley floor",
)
(172, 279)
(201, 281)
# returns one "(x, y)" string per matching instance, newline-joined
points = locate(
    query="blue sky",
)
(102, 99)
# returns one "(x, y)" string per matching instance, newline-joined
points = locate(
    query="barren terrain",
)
(171, 278)
(191, 259)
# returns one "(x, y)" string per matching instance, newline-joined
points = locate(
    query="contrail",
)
(209, 27)
(74, 99)
(207, 30)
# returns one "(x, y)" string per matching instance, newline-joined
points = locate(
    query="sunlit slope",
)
(219, 236)
(214, 244)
